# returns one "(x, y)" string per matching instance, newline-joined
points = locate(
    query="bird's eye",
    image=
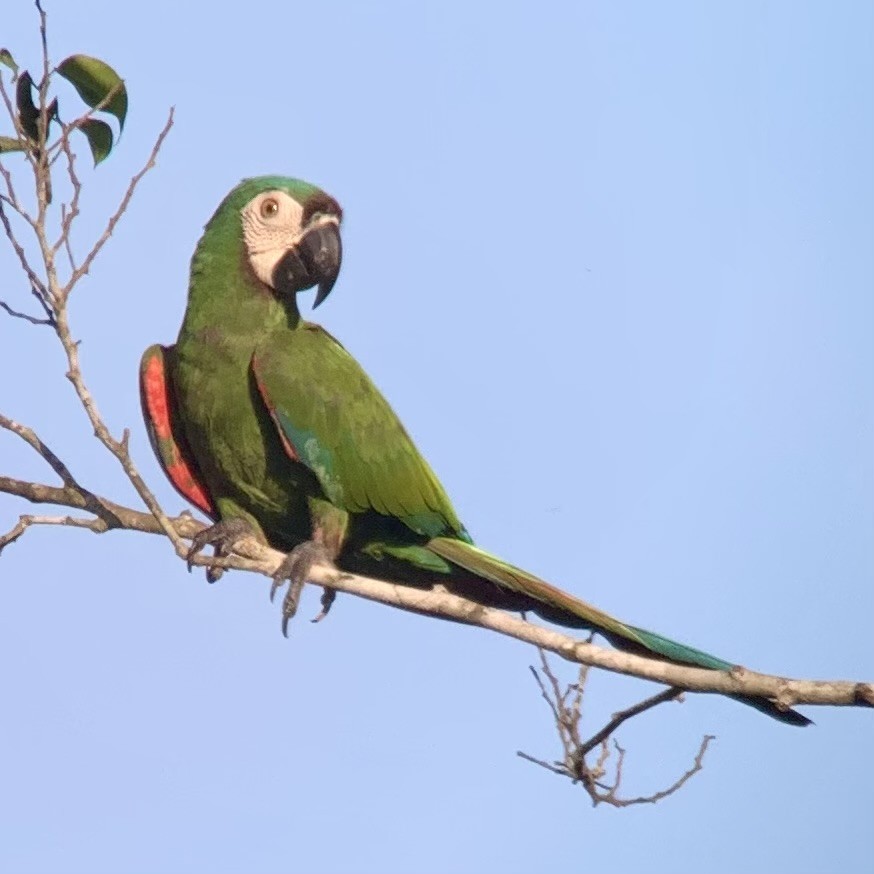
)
(269, 207)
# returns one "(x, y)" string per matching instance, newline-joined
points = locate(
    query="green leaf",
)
(10, 144)
(7, 59)
(28, 114)
(99, 135)
(94, 80)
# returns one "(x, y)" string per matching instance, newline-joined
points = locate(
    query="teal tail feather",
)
(558, 606)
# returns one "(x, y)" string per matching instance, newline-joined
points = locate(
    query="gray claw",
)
(289, 604)
(328, 598)
(214, 574)
(296, 568)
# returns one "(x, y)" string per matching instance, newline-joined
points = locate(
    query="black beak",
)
(314, 260)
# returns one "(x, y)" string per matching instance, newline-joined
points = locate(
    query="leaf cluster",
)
(96, 83)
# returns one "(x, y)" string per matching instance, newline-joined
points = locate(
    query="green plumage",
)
(286, 431)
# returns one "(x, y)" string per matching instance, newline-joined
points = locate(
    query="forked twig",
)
(566, 708)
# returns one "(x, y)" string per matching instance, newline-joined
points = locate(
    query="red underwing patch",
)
(156, 406)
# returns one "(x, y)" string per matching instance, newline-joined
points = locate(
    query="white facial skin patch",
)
(271, 226)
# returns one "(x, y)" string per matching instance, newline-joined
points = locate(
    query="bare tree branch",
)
(115, 515)
(253, 556)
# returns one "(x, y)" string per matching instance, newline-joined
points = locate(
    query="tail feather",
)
(564, 608)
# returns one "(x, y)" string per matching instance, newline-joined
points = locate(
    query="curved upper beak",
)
(314, 260)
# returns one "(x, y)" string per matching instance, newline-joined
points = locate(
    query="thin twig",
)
(71, 212)
(40, 299)
(697, 765)
(624, 715)
(27, 318)
(85, 266)
(35, 281)
(556, 769)
(68, 213)
(38, 155)
(565, 706)
(63, 147)
(7, 102)
(98, 526)
(545, 695)
(29, 436)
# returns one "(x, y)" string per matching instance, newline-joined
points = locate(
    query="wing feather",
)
(334, 420)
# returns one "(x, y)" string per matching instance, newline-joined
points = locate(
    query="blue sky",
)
(612, 264)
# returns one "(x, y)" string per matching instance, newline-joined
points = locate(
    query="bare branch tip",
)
(34, 320)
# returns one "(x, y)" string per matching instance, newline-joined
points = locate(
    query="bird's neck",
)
(227, 304)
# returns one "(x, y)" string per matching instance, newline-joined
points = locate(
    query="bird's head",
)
(291, 234)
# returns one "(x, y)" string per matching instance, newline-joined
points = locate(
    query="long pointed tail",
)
(559, 606)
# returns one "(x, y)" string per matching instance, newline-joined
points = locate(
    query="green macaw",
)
(269, 426)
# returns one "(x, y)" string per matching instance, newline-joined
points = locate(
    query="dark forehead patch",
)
(321, 202)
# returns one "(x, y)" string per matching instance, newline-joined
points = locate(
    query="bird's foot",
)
(223, 536)
(296, 568)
